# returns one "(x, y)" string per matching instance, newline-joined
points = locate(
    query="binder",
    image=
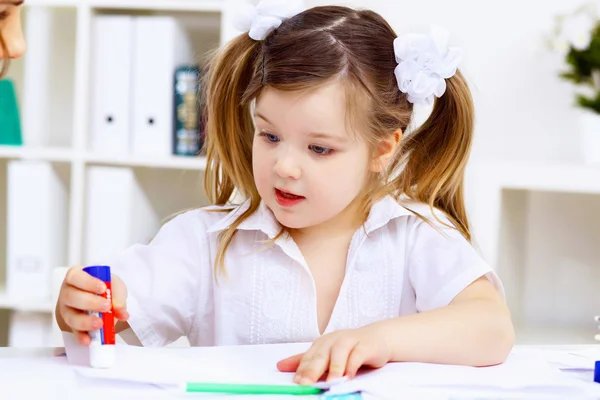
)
(118, 213)
(112, 63)
(10, 125)
(36, 229)
(161, 45)
(36, 80)
(29, 329)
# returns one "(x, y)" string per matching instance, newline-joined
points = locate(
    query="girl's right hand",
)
(79, 294)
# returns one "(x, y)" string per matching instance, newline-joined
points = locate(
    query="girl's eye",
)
(320, 150)
(270, 137)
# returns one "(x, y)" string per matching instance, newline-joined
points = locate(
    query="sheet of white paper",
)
(525, 374)
(564, 359)
(40, 377)
(518, 375)
(168, 368)
(162, 369)
(591, 355)
(165, 366)
(53, 378)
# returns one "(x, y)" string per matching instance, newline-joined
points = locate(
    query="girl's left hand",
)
(341, 353)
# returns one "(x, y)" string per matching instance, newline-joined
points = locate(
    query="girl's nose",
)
(287, 168)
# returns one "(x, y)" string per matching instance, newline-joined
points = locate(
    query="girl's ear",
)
(385, 151)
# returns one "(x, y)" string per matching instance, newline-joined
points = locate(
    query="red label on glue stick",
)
(102, 340)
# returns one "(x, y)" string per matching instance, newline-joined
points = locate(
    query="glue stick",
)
(102, 345)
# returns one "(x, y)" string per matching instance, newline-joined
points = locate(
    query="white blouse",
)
(397, 264)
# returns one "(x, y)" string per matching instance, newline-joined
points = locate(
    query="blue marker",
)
(597, 372)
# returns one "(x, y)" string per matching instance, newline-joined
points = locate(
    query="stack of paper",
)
(566, 360)
(519, 376)
(522, 375)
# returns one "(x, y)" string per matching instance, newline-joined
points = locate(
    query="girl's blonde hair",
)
(313, 47)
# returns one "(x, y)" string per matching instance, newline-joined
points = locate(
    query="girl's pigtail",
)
(438, 152)
(229, 127)
(229, 132)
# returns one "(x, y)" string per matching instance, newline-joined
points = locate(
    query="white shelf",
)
(53, 3)
(568, 178)
(163, 5)
(6, 302)
(42, 154)
(67, 156)
(174, 162)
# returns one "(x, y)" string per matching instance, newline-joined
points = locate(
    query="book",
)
(187, 129)
(10, 134)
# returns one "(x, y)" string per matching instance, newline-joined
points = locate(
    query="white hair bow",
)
(424, 64)
(266, 16)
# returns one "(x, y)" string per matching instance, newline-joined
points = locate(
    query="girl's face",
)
(308, 168)
(10, 29)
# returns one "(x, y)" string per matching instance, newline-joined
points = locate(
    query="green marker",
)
(197, 387)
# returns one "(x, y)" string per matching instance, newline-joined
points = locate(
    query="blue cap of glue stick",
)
(101, 272)
(597, 372)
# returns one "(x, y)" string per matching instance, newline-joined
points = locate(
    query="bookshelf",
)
(63, 138)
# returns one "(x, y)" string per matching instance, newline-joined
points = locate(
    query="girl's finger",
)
(82, 337)
(80, 300)
(121, 314)
(311, 369)
(119, 293)
(339, 358)
(80, 321)
(290, 364)
(80, 279)
(356, 359)
(305, 360)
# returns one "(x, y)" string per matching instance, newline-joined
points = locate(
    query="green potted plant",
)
(577, 38)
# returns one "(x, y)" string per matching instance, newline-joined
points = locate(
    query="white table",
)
(44, 373)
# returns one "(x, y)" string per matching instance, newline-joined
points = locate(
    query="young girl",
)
(12, 44)
(351, 234)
